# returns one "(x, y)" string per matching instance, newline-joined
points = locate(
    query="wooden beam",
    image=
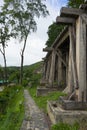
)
(61, 37)
(47, 49)
(71, 12)
(44, 58)
(65, 20)
(52, 68)
(73, 60)
(84, 18)
(58, 54)
(83, 6)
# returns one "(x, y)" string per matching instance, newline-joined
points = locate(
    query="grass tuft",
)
(13, 116)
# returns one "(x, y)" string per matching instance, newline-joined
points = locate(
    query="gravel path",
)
(34, 117)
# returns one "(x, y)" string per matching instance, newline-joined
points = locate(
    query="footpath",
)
(34, 117)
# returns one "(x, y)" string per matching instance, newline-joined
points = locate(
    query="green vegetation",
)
(32, 74)
(11, 108)
(34, 78)
(41, 101)
(53, 31)
(64, 126)
(75, 3)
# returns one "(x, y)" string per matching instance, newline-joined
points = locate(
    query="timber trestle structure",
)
(66, 61)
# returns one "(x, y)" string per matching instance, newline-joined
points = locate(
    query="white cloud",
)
(35, 43)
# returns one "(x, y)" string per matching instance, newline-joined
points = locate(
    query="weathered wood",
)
(44, 58)
(67, 61)
(74, 70)
(58, 54)
(65, 20)
(83, 6)
(81, 59)
(84, 18)
(61, 37)
(48, 69)
(70, 83)
(71, 12)
(47, 49)
(60, 72)
(52, 69)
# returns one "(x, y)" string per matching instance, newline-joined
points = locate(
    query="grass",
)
(14, 114)
(64, 126)
(41, 101)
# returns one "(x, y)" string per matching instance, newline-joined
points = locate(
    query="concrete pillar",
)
(81, 58)
(52, 68)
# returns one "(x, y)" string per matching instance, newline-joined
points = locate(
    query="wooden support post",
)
(67, 60)
(60, 76)
(81, 58)
(52, 69)
(70, 74)
(48, 70)
(73, 56)
(59, 55)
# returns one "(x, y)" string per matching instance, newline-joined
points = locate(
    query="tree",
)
(5, 34)
(1, 73)
(14, 77)
(53, 31)
(23, 14)
(75, 3)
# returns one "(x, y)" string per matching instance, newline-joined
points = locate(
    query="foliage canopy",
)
(53, 31)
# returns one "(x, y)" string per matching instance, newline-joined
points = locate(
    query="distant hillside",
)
(34, 68)
(29, 72)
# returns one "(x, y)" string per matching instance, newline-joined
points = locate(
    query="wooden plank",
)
(47, 49)
(65, 20)
(71, 12)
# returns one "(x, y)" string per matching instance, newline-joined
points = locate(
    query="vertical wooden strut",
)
(73, 55)
(81, 58)
(48, 69)
(52, 69)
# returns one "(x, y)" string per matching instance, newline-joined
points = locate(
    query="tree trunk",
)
(21, 68)
(22, 61)
(5, 66)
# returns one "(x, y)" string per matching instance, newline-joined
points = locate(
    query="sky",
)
(36, 41)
